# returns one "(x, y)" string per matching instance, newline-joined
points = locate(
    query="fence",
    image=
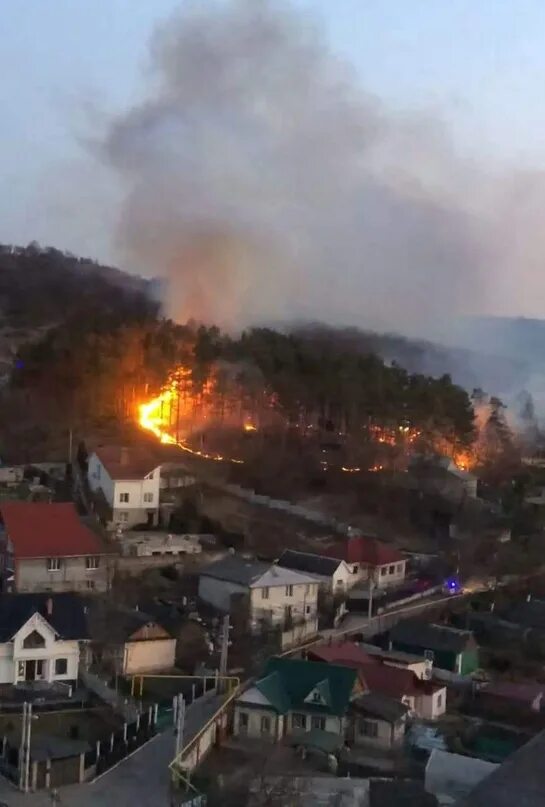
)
(69, 761)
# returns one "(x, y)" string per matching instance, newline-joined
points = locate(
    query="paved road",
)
(140, 781)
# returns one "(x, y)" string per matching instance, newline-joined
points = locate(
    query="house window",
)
(53, 564)
(265, 725)
(383, 571)
(355, 568)
(318, 722)
(33, 640)
(307, 609)
(400, 568)
(98, 471)
(288, 612)
(123, 516)
(91, 563)
(391, 569)
(439, 700)
(21, 668)
(368, 728)
(61, 666)
(90, 584)
(298, 721)
(265, 593)
(124, 498)
(289, 591)
(148, 498)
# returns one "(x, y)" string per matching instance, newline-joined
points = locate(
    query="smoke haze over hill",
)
(265, 183)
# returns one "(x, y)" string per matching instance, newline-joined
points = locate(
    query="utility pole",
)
(224, 651)
(179, 718)
(370, 601)
(24, 750)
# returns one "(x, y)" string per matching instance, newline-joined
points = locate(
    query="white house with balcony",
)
(40, 637)
(129, 478)
(275, 596)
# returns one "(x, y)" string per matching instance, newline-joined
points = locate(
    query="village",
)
(333, 665)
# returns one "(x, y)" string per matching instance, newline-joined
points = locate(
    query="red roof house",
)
(370, 558)
(50, 548)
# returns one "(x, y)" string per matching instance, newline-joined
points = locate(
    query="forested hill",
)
(100, 347)
(40, 286)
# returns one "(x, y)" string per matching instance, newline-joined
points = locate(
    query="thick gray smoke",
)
(265, 184)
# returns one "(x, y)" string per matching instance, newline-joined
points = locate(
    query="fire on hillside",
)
(178, 413)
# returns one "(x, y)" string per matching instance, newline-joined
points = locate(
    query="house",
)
(295, 696)
(274, 595)
(40, 636)
(128, 478)
(427, 699)
(379, 676)
(46, 547)
(370, 560)
(128, 641)
(332, 573)
(510, 697)
(344, 652)
(449, 648)
(378, 721)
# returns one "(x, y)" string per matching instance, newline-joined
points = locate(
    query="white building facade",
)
(129, 485)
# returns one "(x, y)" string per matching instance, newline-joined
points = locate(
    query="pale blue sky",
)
(481, 63)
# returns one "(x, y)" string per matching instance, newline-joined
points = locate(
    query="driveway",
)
(139, 781)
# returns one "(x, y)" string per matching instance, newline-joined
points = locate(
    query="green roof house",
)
(449, 648)
(295, 696)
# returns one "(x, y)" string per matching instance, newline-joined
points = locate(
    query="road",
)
(139, 781)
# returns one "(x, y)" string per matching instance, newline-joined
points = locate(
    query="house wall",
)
(254, 729)
(152, 655)
(218, 592)
(136, 508)
(13, 652)
(334, 724)
(303, 602)
(31, 574)
(469, 661)
(430, 707)
(391, 574)
(342, 579)
(388, 735)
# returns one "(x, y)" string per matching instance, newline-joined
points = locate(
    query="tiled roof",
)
(340, 653)
(67, 616)
(289, 682)
(44, 530)
(523, 692)
(127, 462)
(368, 551)
(309, 562)
(394, 682)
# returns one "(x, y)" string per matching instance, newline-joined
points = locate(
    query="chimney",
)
(49, 606)
(124, 456)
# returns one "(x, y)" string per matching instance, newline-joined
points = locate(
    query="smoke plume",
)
(265, 184)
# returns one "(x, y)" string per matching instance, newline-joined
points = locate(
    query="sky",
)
(67, 65)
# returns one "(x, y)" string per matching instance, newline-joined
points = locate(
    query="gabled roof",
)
(127, 462)
(346, 653)
(67, 616)
(235, 569)
(296, 678)
(112, 623)
(253, 574)
(272, 688)
(309, 562)
(381, 706)
(431, 637)
(368, 551)
(44, 530)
